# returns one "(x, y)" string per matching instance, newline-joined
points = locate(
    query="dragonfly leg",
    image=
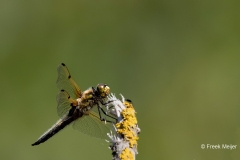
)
(105, 102)
(103, 119)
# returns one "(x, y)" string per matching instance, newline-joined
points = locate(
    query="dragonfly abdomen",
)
(54, 129)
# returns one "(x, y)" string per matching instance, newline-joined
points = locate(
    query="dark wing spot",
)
(62, 90)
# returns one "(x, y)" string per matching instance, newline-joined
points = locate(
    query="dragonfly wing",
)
(92, 125)
(66, 82)
(65, 103)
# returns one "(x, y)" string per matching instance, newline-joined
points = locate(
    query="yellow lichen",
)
(126, 154)
(126, 127)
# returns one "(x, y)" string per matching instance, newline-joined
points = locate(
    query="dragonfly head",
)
(103, 90)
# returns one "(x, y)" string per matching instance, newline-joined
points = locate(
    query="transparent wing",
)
(92, 125)
(65, 102)
(66, 82)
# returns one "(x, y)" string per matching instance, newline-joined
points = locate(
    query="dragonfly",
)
(83, 109)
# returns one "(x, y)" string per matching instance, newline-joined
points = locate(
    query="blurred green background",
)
(178, 61)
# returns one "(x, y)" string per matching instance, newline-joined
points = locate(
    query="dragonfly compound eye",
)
(103, 89)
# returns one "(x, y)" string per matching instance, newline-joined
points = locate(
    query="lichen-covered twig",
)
(124, 137)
